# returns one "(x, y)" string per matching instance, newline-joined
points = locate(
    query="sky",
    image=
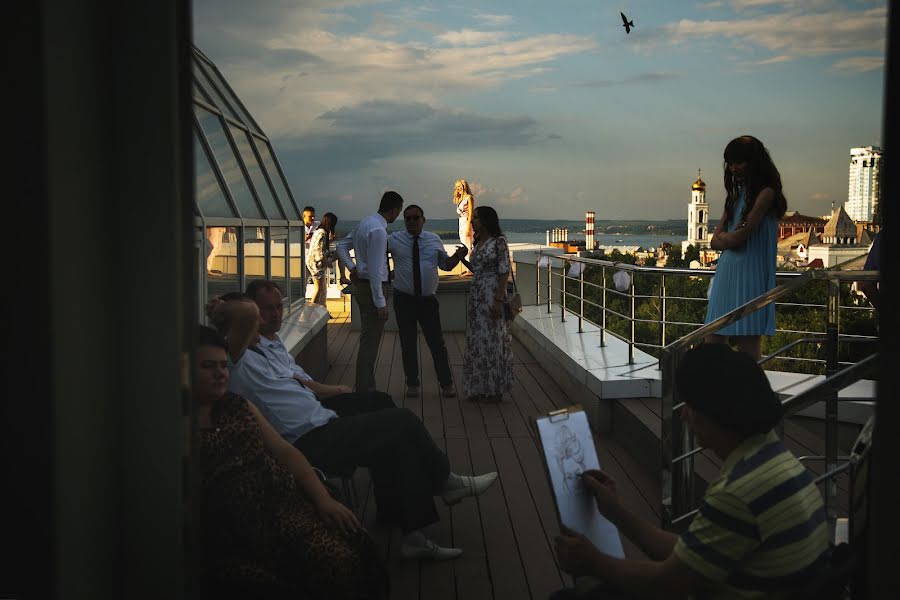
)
(549, 108)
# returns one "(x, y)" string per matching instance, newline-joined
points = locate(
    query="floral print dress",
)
(259, 526)
(488, 360)
(319, 256)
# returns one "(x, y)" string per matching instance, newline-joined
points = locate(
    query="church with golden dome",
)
(698, 217)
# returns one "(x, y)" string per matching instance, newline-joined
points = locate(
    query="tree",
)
(691, 253)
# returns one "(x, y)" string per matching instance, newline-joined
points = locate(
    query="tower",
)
(589, 230)
(864, 188)
(698, 217)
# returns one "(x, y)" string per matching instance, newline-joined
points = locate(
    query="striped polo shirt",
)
(761, 527)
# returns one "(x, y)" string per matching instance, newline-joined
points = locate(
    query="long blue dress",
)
(745, 273)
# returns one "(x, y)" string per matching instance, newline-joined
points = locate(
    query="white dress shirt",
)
(431, 256)
(368, 240)
(265, 376)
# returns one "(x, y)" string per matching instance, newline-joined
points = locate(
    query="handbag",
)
(512, 306)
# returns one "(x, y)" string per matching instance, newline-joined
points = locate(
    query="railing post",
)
(549, 283)
(581, 297)
(631, 316)
(662, 310)
(603, 311)
(562, 285)
(832, 333)
(537, 280)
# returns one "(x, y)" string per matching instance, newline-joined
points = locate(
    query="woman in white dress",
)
(320, 256)
(465, 204)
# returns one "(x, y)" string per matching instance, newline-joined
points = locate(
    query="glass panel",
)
(298, 282)
(278, 250)
(215, 97)
(214, 75)
(254, 253)
(228, 163)
(263, 191)
(275, 175)
(208, 194)
(221, 261)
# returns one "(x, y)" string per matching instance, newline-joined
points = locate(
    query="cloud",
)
(858, 64)
(471, 37)
(792, 34)
(353, 138)
(820, 196)
(493, 19)
(640, 78)
(492, 196)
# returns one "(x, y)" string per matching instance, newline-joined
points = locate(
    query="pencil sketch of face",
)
(570, 459)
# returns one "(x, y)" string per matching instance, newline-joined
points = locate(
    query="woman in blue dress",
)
(747, 236)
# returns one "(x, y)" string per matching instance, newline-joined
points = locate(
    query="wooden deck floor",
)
(506, 533)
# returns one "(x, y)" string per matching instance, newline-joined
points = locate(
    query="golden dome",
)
(699, 185)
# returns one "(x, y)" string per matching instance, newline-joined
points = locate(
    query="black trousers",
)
(410, 310)
(407, 468)
(355, 403)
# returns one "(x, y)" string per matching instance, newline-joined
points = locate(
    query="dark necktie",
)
(417, 271)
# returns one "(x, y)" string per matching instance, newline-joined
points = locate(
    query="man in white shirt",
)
(417, 255)
(370, 277)
(407, 468)
(309, 226)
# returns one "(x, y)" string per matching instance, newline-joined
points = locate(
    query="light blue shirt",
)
(368, 240)
(265, 377)
(431, 256)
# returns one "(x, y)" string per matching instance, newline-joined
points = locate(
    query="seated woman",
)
(268, 522)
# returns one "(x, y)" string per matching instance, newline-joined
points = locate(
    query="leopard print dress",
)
(258, 525)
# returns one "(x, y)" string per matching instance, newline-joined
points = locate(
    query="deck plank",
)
(507, 533)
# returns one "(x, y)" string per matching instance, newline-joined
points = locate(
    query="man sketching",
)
(764, 506)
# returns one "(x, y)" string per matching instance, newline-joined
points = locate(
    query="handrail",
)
(833, 383)
(676, 439)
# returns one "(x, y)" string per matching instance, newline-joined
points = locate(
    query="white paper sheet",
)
(569, 451)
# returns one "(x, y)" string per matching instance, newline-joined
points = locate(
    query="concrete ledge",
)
(588, 373)
(857, 400)
(304, 332)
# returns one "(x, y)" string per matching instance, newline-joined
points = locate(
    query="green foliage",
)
(691, 253)
(801, 314)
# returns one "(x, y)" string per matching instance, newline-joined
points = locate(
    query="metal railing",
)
(677, 450)
(555, 285)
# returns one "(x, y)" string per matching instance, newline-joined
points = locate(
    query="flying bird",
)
(626, 23)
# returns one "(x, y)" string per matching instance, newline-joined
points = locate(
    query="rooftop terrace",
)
(507, 533)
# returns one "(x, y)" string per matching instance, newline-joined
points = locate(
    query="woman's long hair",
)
(466, 191)
(329, 222)
(761, 173)
(490, 222)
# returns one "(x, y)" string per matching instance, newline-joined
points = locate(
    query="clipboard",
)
(568, 449)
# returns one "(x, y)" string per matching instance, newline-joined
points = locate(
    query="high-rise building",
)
(698, 217)
(864, 190)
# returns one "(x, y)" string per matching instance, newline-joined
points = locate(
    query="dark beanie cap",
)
(729, 388)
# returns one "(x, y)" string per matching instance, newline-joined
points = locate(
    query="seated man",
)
(760, 531)
(407, 468)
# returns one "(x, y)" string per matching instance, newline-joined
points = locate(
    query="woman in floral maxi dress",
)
(488, 358)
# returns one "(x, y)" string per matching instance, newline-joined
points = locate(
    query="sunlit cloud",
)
(471, 37)
(493, 196)
(794, 35)
(858, 64)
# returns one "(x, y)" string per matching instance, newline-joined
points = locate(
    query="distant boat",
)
(619, 240)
